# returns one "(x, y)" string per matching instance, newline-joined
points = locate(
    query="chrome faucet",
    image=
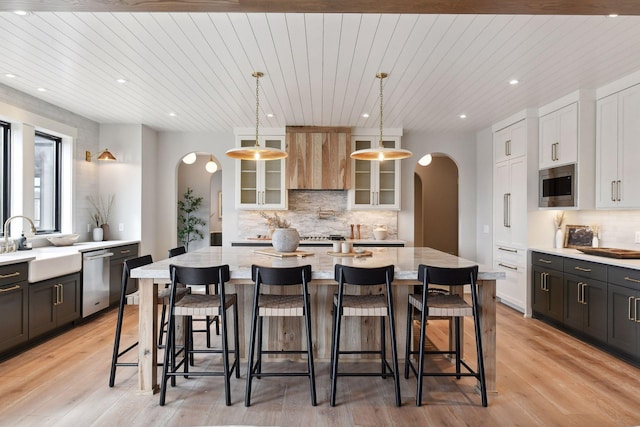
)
(6, 229)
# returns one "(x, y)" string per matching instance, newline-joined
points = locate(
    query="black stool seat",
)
(278, 305)
(364, 305)
(444, 304)
(205, 305)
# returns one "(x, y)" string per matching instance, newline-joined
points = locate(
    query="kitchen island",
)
(357, 332)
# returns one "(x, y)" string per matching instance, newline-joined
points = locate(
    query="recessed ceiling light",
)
(172, 114)
(613, 15)
(21, 12)
(121, 80)
(513, 82)
(269, 114)
(463, 116)
(9, 75)
(365, 115)
(41, 89)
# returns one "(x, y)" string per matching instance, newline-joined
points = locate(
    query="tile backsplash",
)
(304, 207)
(617, 228)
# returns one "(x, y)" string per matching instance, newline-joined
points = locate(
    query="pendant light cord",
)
(257, 76)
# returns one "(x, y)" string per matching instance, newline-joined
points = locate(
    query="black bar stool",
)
(364, 305)
(132, 299)
(444, 304)
(269, 305)
(199, 304)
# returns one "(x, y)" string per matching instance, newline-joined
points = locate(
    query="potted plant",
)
(188, 222)
(102, 209)
(283, 237)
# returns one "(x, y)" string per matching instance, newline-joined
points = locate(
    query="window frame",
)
(57, 210)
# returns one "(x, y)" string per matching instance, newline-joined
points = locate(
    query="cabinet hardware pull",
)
(13, 288)
(618, 190)
(579, 292)
(613, 197)
(631, 316)
(4, 276)
(587, 270)
(500, 248)
(508, 266)
(554, 151)
(125, 251)
(631, 279)
(508, 219)
(542, 281)
(507, 147)
(57, 297)
(584, 293)
(546, 282)
(635, 306)
(546, 261)
(61, 293)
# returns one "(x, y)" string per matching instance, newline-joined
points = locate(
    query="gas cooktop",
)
(321, 237)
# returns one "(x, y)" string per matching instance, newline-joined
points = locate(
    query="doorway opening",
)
(436, 205)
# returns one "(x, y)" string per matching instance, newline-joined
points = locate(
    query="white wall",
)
(148, 190)
(461, 148)
(484, 197)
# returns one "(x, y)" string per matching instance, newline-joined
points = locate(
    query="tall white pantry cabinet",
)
(515, 142)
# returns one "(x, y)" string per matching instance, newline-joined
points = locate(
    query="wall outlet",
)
(88, 228)
(637, 236)
(485, 229)
(120, 227)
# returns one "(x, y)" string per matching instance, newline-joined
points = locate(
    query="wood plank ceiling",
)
(319, 68)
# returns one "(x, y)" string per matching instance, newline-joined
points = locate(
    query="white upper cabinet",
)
(375, 184)
(510, 142)
(559, 137)
(618, 150)
(260, 184)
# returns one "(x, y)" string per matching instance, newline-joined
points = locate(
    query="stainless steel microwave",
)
(557, 187)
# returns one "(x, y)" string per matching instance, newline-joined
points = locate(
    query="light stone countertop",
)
(576, 254)
(240, 259)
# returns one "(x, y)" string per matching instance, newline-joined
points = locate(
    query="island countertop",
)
(406, 261)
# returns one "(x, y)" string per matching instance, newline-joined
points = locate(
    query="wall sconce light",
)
(105, 155)
(190, 158)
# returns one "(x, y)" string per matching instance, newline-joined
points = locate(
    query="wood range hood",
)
(319, 158)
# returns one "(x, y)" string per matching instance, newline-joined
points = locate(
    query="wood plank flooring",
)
(545, 378)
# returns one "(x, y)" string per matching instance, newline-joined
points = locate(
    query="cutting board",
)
(273, 252)
(612, 252)
(351, 254)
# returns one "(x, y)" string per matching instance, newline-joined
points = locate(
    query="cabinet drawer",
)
(587, 269)
(624, 277)
(127, 251)
(548, 261)
(13, 273)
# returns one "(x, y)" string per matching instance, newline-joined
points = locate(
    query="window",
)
(46, 184)
(5, 164)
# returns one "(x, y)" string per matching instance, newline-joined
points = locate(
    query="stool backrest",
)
(363, 276)
(177, 251)
(132, 263)
(284, 276)
(199, 275)
(447, 276)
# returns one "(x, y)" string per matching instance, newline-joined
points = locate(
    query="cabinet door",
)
(567, 148)
(623, 331)
(388, 180)
(510, 142)
(42, 311)
(573, 307)
(363, 176)
(518, 202)
(539, 295)
(629, 147)
(555, 286)
(548, 137)
(513, 289)
(248, 177)
(376, 183)
(14, 309)
(272, 177)
(501, 180)
(606, 151)
(595, 309)
(68, 307)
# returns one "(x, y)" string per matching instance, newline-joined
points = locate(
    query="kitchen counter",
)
(51, 251)
(575, 254)
(324, 242)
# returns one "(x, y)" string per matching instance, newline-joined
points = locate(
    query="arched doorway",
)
(208, 186)
(436, 205)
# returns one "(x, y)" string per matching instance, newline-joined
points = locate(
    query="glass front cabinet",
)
(260, 184)
(375, 184)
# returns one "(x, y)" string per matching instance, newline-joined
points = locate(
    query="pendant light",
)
(211, 166)
(257, 152)
(380, 152)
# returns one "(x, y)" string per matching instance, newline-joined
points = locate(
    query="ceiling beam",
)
(515, 7)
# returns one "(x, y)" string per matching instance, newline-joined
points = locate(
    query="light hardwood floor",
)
(545, 378)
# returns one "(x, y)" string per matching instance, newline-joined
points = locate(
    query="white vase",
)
(285, 239)
(559, 241)
(97, 234)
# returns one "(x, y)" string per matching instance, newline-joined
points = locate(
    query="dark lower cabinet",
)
(585, 306)
(53, 303)
(624, 311)
(116, 265)
(548, 292)
(14, 306)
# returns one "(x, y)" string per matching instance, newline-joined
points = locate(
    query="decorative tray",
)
(273, 252)
(611, 252)
(351, 254)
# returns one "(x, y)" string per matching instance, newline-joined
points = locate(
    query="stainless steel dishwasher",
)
(95, 281)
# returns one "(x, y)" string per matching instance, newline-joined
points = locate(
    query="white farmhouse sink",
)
(53, 263)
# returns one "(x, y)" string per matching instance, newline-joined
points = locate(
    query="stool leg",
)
(225, 356)
(236, 339)
(408, 341)
(423, 333)
(394, 348)
(259, 362)
(476, 324)
(383, 349)
(116, 342)
(333, 332)
(335, 352)
(252, 340)
(312, 374)
(458, 340)
(169, 354)
(162, 324)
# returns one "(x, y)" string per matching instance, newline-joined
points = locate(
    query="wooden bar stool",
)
(132, 299)
(200, 304)
(270, 305)
(364, 305)
(439, 304)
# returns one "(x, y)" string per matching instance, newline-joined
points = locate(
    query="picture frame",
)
(578, 236)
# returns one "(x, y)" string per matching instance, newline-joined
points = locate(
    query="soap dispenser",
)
(22, 243)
